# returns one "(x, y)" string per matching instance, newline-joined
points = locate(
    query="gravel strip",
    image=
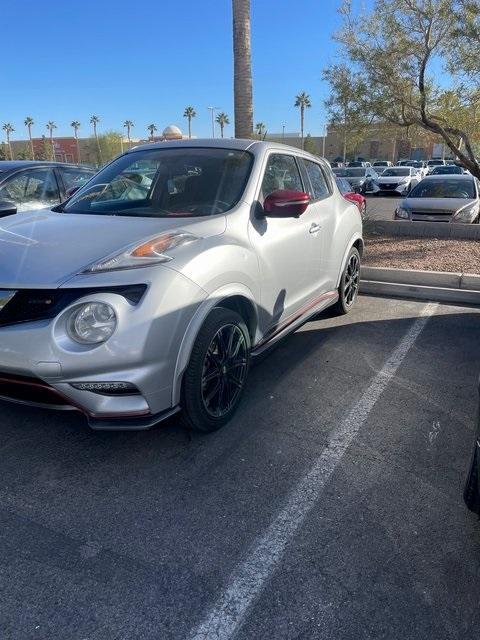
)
(429, 254)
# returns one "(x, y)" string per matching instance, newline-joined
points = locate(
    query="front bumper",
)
(471, 493)
(396, 189)
(39, 363)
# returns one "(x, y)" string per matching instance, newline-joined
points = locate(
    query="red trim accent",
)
(66, 401)
(295, 316)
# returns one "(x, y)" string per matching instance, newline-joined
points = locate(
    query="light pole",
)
(283, 133)
(212, 110)
(324, 138)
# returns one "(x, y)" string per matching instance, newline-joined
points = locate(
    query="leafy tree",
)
(107, 145)
(222, 120)
(75, 124)
(24, 153)
(8, 128)
(51, 126)
(45, 153)
(302, 101)
(28, 122)
(309, 144)
(345, 108)
(128, 125)
(404, 51)
(189, 113)
(151, 129)
(242, 69)
(94, 120)
(260, 130)
(4, 155)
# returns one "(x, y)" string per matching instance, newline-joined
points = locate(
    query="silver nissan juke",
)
(149, 291)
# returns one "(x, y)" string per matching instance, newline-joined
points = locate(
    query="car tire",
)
(349, 284)
(217, 372)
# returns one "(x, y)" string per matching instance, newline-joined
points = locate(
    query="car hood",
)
(437, 205)
(392, 179)
(45, 249)
(359, 180)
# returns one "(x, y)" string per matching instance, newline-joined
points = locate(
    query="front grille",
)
(30, 305)
(388, 186)
(29, 390)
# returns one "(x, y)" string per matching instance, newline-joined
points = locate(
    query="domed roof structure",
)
(172, 133)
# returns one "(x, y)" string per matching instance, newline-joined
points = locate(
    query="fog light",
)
(92, 323)
(107, 388)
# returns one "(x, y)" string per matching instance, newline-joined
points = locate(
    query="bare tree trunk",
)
(242, 81)
(189, 127)
(302, 117)
(78, 147)
(31, 142)
(52, 150)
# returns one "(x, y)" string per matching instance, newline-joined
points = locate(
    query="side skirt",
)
(294, 322)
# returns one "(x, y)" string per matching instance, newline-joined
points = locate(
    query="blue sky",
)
(147, 61)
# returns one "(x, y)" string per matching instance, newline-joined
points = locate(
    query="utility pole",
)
(283, 133)
(212, 110)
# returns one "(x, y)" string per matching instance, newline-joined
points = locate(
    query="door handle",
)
(314, 228)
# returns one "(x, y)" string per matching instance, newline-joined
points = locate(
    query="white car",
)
(398, 180)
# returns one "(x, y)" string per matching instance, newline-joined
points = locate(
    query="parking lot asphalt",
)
(381, 208)
(331, 507)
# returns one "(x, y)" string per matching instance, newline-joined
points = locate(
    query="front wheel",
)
(216, 375)
(349, 283)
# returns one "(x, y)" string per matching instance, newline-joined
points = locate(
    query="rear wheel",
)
(349, 283)
(217, 372)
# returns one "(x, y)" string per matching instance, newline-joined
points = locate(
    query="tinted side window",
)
(31, 189)
(281, 173)
(75, 177)
(317, 180)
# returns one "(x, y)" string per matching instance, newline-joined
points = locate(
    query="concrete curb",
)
(423, 229)
(457, 288)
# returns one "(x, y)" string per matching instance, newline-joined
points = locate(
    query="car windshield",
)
(354, 173)
(380, 164)
(435, 163)
(449, 188)
(397, 171)
(339, 171)
(166, 182)
(451, 168)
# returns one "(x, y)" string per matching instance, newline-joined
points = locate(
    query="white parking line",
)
(250, 576)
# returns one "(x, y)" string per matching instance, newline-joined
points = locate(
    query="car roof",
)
(451, 176)
(256, 146)
(5, 165)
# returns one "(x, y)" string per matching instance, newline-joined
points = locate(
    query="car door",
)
(284, 246)
(322, 210)
(30, 189)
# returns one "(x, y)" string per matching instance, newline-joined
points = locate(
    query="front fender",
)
(185, 350)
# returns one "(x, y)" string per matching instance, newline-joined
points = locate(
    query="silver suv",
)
(153, 286)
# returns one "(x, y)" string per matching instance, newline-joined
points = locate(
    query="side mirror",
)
(7, 208)
(286, 203)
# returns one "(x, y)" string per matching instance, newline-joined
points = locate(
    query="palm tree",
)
(51, 126)
(242, 65)
(222, 120)
(189, 113)
(94, 120)
(75, 124)
(151, 128)
(260, 130)
(302, 101)
(128, 124)
(8, 128)
(28, 122)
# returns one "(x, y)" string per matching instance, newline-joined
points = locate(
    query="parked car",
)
(346, 191)
(419, 165)
(138, 298)
(398, 180)
(380, 165)
(27, 185)
(359, 163)
(361, 179)
(447, 169)
(442, 199)
(434, 162)
(335, 164)
(471, 493)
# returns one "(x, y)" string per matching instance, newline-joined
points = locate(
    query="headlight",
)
(92, 323)
(402, 213)
(468, 213)
(143, 254)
